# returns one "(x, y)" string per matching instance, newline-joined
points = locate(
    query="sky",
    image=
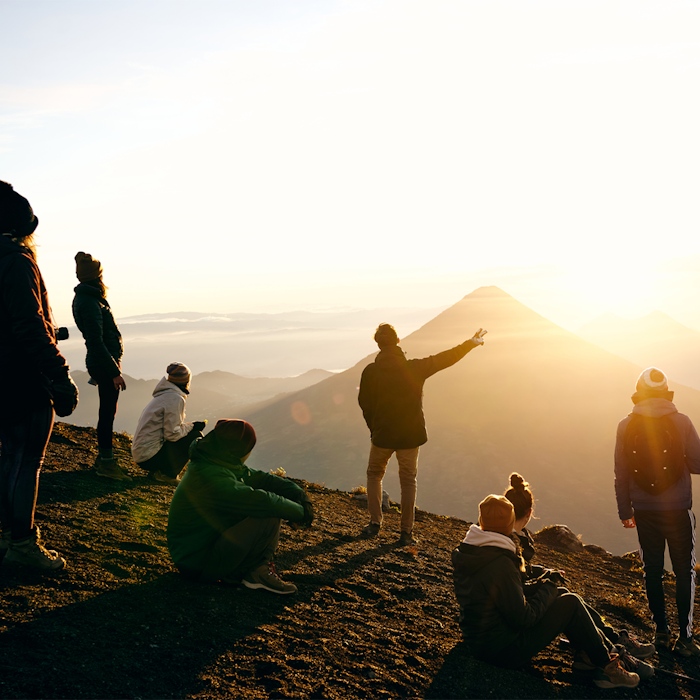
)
(270, 155)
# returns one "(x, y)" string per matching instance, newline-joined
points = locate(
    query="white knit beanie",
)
(652, 379)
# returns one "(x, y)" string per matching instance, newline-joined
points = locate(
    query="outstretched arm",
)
(443, 360)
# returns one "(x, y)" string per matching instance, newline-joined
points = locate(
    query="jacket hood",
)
(8, 246)
(390, 356)
(85, 288)
(470, 559)
(654, 408)
(485, 538)
(164, 386)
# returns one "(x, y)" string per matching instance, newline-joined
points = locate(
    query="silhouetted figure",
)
(103, 342)
(504, 627)
(162, 439)
(391, 399)
(626, 644)
(224, 519)
(35, 383)
(656, 450)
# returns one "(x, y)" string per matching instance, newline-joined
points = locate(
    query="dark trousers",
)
(109, 395)
(172, 456)
(24, 438)
(655, 528)
(568, 614)
(240, 549)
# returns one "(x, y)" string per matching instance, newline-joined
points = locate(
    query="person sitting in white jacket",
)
(162, 439)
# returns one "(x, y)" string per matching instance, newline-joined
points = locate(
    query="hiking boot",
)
(662, 640)
(614, 675)
(372, 530)
(265, 576)
(582, 661)
(159, 476)
(110, 469)
(406, 539)
(636, 648)
(686, 647)
(31, 552)
(633, 664)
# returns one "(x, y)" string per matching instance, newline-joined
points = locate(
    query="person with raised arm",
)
(391, 399)
(36, 384)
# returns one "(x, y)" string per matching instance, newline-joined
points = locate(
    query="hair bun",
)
(517, 482)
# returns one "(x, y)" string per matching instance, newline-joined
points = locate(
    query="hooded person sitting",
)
(162, 439)
(224, 519)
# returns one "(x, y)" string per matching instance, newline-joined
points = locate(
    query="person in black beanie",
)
(103, 341)
(37, 387)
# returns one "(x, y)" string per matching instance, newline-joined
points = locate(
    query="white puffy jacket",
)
(163, 419)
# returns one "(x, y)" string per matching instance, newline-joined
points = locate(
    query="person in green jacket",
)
(224, 519)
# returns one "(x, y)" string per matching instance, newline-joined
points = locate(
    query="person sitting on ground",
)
(224, 519)
(629, 647)
(162, 439)
(500, 624)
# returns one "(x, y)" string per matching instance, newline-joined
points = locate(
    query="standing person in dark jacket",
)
(103, 341)
(224, 519)
(661, 516)
(391, 399)
(504, 627)
(35, 382)
(631, 650)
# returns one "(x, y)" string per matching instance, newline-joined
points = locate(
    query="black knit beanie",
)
(16, 215)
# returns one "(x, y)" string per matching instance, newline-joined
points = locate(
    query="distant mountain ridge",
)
(213, 395)
(536, 399)
(652, 340)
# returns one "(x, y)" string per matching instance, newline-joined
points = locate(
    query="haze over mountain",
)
(536, 399)
(213, 395)
(655, 339)
(248, 344)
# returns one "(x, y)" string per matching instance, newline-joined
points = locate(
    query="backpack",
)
(655, 454)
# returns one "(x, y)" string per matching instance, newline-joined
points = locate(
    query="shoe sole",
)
(46, 569)
(113, 478)
(608, 684)
(256, 586)
(638, 656)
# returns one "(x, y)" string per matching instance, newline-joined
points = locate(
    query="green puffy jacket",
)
(217, 492)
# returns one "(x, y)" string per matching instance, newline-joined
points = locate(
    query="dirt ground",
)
(370, 620)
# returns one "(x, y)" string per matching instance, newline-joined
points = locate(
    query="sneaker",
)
(614, 675)
(265, 576)
(633, 664)
(372, 530)
(31, 552)
(636, 648)
(686, 647)
(663, 640)
(406, 539)
(110, 469)
(582, 661)
(159, 476)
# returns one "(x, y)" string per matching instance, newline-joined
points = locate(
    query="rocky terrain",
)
(371, 620)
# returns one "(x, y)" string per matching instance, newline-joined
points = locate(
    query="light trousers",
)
(408, 469)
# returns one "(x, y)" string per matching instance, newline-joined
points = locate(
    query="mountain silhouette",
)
(536, 399)
(655, 339)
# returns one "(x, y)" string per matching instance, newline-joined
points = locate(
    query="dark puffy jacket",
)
(493, 610)
(103, 341)
(28, 350)
(391, 394)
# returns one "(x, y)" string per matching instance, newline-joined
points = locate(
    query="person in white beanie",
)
(163, 437)
(656, 450)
